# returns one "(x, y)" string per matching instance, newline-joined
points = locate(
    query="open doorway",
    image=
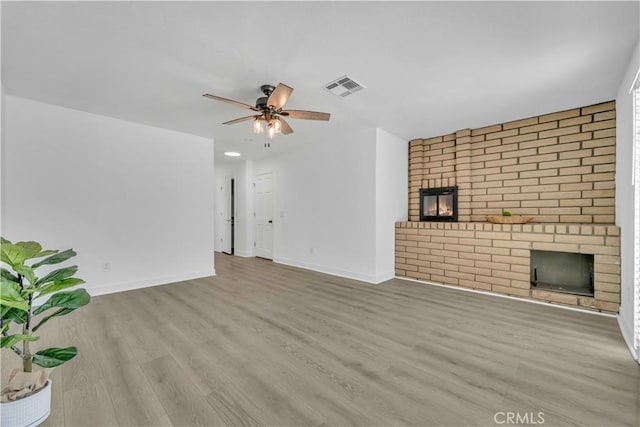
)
(230, 214)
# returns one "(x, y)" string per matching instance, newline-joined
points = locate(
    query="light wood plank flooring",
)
(265, 344)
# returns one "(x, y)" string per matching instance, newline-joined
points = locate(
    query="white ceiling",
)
(430, 67)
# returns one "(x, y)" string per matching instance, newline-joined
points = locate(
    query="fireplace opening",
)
(564, 272)
(439, 204)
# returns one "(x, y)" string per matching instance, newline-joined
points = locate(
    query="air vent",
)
(343, 86)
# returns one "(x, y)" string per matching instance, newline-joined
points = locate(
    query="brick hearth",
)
(495, 257)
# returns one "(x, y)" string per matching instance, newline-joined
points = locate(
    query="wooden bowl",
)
(513, 219)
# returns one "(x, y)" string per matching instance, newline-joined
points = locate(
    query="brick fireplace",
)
(439, 204)
(558, 168)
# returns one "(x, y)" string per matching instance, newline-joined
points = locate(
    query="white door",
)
(227, 208)
(264, 216)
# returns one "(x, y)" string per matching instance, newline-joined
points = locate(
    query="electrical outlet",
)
(310, 251)
(106, 267)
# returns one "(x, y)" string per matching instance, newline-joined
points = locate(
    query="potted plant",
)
(27, 303)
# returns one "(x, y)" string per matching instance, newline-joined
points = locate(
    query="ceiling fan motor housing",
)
(267, 89)
(262, 102)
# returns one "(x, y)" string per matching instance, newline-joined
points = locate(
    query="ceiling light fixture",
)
(231, 154)
(258, 125)
(273, 126)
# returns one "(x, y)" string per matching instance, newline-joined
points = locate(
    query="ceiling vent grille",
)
(343, 86)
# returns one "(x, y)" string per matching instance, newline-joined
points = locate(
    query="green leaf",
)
(55, 259)
(53, 357)
(27, 272)
(72, 299)
(59, 285)
(57, 313)
(14, 315)
(15, 254)
(6, 274)
(11, 340)
(59, 274)
(10, 295)
(45, 253)
(66, 301)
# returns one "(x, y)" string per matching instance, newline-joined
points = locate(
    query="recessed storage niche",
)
(564, 272)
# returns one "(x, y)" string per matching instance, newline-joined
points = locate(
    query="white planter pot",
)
(28, 412)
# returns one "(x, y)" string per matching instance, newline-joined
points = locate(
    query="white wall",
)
(137, 197)
(222, 174)
(336, 199)
(324, 202)
(2, 137)
(625, 196)
(391, 198)
(244, 201)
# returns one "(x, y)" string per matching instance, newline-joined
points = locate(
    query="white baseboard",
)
(628, 337)
(385, 276)
(244, 254)
(110, 288)
(236, 252)
(375, 279)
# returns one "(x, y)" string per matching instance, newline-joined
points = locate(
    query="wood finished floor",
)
(265, 344)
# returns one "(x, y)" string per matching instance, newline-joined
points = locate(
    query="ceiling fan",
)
(270, 111)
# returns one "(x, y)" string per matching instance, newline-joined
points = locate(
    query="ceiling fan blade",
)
(305, 115)
(284, 127)
(279, 96)
(241, 119)
(231, 101)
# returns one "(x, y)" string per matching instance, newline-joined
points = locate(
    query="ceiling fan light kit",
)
(273, 126)
(271, 117)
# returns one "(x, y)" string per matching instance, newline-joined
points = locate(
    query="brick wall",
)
(559, 167)
(496, 257)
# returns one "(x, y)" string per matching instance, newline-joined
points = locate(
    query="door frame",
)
(255, 218)
(230, 214)
(232, 183)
